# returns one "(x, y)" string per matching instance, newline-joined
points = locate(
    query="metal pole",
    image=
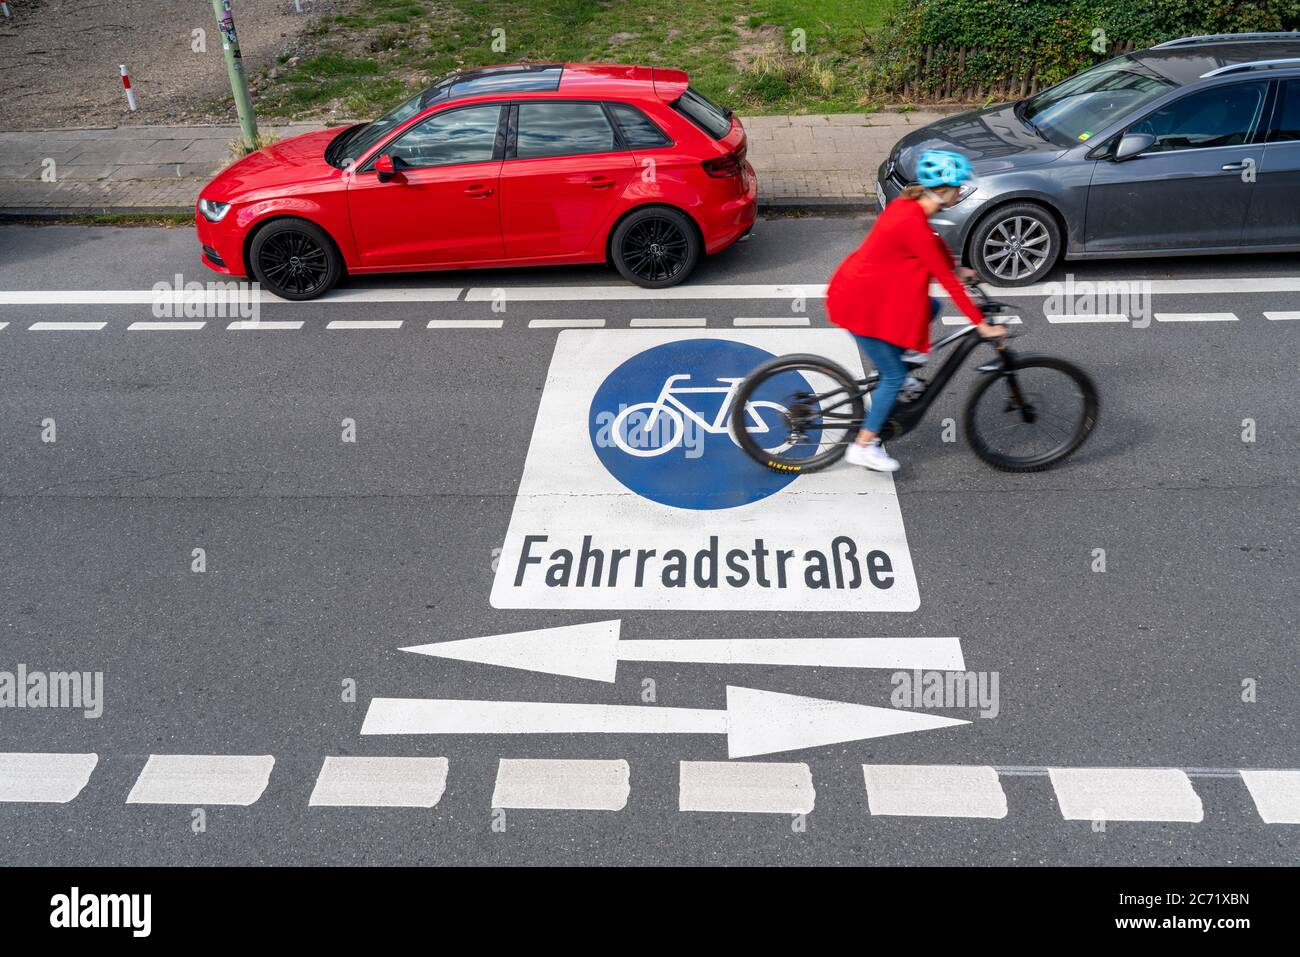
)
(235, 68)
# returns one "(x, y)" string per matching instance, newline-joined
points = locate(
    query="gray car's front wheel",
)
(1015, 245)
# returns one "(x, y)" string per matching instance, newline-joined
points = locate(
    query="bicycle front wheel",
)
(822, 413)
(1029, 418)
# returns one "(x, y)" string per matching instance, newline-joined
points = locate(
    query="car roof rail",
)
(1293, 62)
(1227, 37)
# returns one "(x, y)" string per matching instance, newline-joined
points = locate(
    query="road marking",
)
(747, 322)
(610, 293)
(66, 326)
(755, 722)
(920, 790)
(200, 779)
(165, 326)
(551, 785)
(255, 325)
(465, 324)
(44, 778)
(364, 324)
(1276, 795)
(566, 323)
(962, 320)
(746, 787)
(1125, 794)
(1196, 317)
(379, 782)
(593, 651)
(1281, 316)
(242, 294)
(1087, 317)
(3, 325)
(669, 323)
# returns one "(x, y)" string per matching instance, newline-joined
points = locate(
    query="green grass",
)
(737, 51)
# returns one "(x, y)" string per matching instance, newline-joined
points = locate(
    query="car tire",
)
(1015, 245)
(655, 247)
(294, 259)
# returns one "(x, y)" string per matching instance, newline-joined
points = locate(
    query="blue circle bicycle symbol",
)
(661, 424)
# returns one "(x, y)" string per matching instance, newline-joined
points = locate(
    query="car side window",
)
(468, 135)
(562, 129)
(1222, 116)
(1288, 124)
(639, 131)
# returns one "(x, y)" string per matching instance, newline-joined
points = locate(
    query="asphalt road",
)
(325, 557)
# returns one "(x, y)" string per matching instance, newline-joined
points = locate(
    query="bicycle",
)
(677, 413)
(1042, 400)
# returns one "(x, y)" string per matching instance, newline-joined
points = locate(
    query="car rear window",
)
(639, 131)
(704, 113)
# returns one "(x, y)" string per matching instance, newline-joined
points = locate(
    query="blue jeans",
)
(888, 360)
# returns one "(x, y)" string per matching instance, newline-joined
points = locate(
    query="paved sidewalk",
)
(801, 160)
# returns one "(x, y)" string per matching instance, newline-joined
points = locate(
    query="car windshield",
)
(348, 147)
(1075, 110)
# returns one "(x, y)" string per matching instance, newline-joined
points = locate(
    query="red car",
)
(517, 165)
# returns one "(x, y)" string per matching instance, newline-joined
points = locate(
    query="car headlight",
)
(213, 211)
(967, 190)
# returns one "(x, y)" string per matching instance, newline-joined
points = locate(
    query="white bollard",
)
(5, 8)
(297, 5)
(126, 85)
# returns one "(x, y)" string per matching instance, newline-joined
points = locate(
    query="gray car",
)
(1190, 147)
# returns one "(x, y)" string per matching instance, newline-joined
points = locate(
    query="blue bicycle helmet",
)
(942, 168)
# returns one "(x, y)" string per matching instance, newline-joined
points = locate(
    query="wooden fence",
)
(940, 73)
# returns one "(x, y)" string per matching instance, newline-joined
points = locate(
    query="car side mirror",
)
(1132, 145)
(386, 168)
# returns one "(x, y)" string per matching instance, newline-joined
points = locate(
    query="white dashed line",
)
(364, 324)
(1087, 317)
(3, 325)
(1281, 316)
(263, 325)
(168, 326)
(1196, 317)
(66, 326)
(1125, 794)
(44, 778)
(922, 790)
(746, 787)
(566, 323)
(744, 322)
(668, 323)
(465, 324)
(962, 320)
(380, 782)
(199, 779)
(1276, 795)
(557, 785)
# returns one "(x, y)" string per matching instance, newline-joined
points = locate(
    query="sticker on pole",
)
(636, 495)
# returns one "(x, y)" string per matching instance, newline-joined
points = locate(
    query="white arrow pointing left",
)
(755, 722)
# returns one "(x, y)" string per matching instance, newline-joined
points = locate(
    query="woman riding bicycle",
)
(880, 293)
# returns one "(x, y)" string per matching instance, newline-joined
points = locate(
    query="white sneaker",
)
(871, 456)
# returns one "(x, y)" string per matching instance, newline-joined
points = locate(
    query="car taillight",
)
(726, 166)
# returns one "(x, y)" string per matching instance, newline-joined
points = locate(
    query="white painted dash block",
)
(934, 790)
(379, 782)
(1125, 794)
(44, 778)
(1276, 795)
(561, 785)
(753, 787)
(201, 779)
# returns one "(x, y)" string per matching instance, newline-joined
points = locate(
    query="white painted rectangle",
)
(934, 790)
(1196, 317)
(1074, 317)
(166, 326)
(1276, 794)
(631, 292)
(670, 322)
(201, 779)
(749, 322)
(66, 326)
(1281, 316)
(566, 323)
(364, 324)
(1125, 794)
(465, 324)
(379, 782)
(1003, 320)
(753, 787)
(263, 325)
(562, 785)
(4, 325)
(44, 778)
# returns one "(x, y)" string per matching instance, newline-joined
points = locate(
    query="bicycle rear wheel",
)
(1031, 417)
(823, 412)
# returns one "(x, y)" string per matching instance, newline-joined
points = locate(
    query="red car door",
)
(443, 204)
(563, 179)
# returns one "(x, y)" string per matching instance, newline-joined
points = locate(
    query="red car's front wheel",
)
(294, 259)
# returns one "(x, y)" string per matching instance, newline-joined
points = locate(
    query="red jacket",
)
(883, 288)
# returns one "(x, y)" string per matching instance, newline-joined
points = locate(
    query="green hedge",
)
(1055, 36)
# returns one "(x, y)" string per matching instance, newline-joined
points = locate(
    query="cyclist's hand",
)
(989, 331)
(966, 274)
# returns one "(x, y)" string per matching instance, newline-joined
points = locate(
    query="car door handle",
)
(479, 191)
(600, 182)
(1235, 167)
